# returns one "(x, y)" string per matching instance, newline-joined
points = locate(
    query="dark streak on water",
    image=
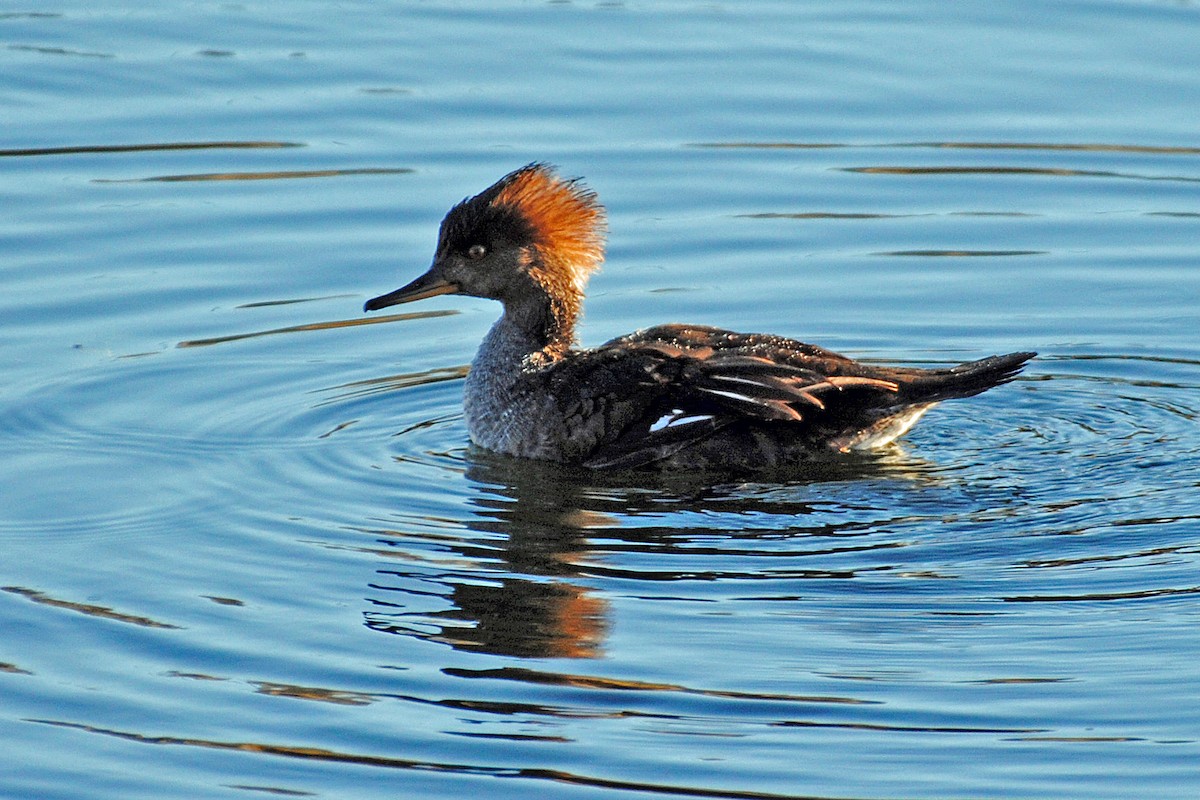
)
(142, 148)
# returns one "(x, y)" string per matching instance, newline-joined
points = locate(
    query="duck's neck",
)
(507, 346)
(500, 409)
(527, 336)
(542, 323)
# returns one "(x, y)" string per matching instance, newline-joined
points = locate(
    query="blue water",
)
(245, 548)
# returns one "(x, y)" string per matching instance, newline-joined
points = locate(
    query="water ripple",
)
(89, 609)
(99, 149)
(1058, 172)
(950, 145)
(260, 176)
(537, 775)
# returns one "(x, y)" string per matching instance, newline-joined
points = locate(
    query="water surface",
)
(245, 548)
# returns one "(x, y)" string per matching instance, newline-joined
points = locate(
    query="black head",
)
(530, 232)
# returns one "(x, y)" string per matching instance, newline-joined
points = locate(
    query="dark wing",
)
(646, 396)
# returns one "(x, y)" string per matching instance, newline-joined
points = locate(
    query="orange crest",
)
(566, 216)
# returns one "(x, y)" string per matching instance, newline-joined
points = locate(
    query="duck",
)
(673, 396)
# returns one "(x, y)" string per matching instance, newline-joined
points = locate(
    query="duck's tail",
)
(965, 380)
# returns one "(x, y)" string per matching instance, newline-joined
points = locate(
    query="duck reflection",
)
(524, 594)
(522, 584)
(525, 618)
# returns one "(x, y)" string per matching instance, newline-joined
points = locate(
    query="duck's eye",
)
(476, 252)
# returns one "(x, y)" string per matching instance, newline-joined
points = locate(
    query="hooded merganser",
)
(685, 396)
